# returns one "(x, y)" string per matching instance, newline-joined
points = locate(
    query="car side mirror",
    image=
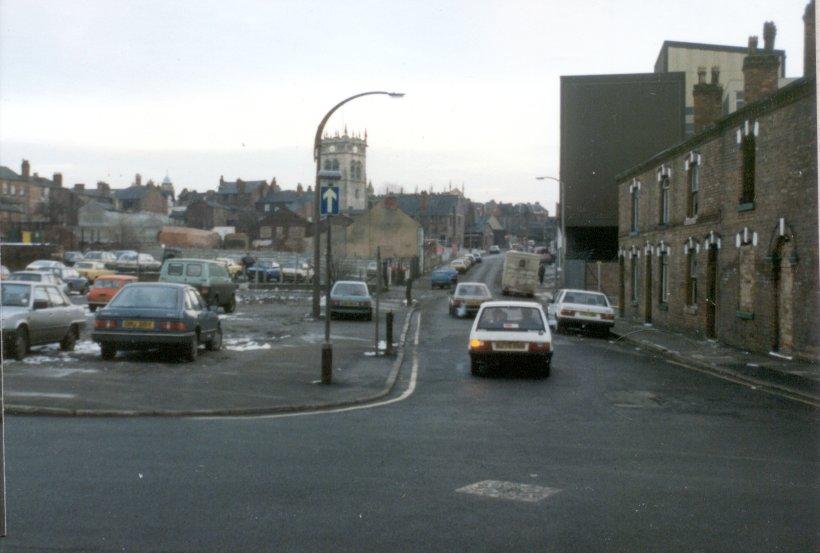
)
(40, 304)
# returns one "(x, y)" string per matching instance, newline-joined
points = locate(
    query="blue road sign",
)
(330, 200)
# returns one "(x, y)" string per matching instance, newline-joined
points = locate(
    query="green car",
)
(209, 277)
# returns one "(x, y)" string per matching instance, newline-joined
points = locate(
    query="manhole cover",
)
(497, 489)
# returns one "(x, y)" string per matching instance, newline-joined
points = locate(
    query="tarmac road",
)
(617, 451)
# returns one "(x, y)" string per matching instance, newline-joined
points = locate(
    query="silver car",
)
(36, 314)
(43, 276)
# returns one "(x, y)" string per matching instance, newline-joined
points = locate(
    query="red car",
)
(105, 288)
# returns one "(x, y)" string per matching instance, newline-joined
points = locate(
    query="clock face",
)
(332, 149)
(355, 149)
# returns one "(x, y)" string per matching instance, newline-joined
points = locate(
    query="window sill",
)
(747, 206)
(690, 309)
(663, 226)
(633, 233)
(634, 303)
(690, 221)
(663, 306)
(745, 315)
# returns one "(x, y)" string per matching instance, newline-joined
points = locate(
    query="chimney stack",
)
(390, 202)
(25, 169)
(761, 67)
(103, 186)
(57, 178)
(138, 179)
(240, 185)
(708, 100)
(79, 187)
(809, 68)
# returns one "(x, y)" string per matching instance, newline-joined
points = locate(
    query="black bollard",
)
(388, 334)
(327, 363)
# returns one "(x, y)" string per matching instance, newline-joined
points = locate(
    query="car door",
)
(39, 319)
(207, 319)
(59, 313)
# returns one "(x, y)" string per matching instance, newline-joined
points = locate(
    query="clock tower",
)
(347, 154)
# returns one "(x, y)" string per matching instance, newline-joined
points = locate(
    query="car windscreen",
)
(350, 289)
(27, 277)
(584, 298)
(146, 297)
(511, 318)
(14, 295)
(93, 255)
(472, 290)
(85, 265)
(70, 273)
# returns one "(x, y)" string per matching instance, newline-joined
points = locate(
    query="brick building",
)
(444, 217)
(718, 235)
(243, 193)
(139, 197)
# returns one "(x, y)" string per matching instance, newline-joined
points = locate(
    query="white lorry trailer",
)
(520, 274)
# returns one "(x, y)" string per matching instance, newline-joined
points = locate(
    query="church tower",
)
(347, 154)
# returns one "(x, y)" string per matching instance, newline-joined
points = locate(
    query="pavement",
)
(270, 362)
(618, 450)
(796, 378)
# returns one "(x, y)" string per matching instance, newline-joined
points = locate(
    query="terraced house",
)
(718, 235)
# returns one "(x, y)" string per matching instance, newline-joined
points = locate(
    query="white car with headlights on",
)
(583, 309)
(510, 333)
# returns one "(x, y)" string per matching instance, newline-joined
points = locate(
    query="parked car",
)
(45, 265)
(35, 314)
(301, 273)
(468, 297)
(105, 288)
(495, 249)
(265, 269)
(92, 270)
(157, 315)
(71, 258)
(583, 309)
(4, 272)
(119, 253)
(442, 277)
(510, 333)
(460, 265)
(233, 267)
(477, 256)
(209, 277)
(137, 262)
(73, 279)
(351, 297)
(45, 277)
(106, 258)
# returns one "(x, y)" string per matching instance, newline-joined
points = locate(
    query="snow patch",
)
(245, 345)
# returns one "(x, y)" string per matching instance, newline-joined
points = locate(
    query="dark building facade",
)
(608, 124)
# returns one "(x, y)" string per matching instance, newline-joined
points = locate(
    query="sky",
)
(101, 90)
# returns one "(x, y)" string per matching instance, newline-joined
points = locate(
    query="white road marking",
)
(513, 491)
(41, 394)
(404, 395)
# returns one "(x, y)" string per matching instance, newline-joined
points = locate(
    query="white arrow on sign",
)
(330, 196)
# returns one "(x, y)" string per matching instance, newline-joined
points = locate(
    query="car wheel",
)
(475, 368)
(544, 370)
(108, 351)
(92, 308)
(604, 332)
(20, 344)
(231, 307)
(215, 343)
(69, 340)
(560, 328)
(191, 349)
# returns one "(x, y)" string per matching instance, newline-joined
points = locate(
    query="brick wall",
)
(785, 188)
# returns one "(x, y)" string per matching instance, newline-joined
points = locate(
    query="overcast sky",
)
(100, 90)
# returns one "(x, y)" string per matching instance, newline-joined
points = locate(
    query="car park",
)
(44, 277)
(73, 279)
(299, 273)
(495, 249)
(467, 298)
(444, 277)
(583, 309)
(106, 258)
(460, 265)
(71, 258)
(351, 297)
(265, 270)
(233, 267)
(510, 334)
(209, 277)
(45, 265)
(157, 315)
(105, 288)
(92, 270)
(36, 314)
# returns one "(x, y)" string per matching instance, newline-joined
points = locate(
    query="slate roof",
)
(437, 204)
(233, 188)
(8, 174)
(131, 193)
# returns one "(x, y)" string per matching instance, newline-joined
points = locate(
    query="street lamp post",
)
(317, 142)
(562, 200)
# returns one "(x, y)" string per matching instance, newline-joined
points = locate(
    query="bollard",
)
(327, 363)
(388, 333)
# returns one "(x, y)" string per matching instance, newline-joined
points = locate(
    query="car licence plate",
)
(350, 304)
(141, 325)
(587, 314)
(510, 346)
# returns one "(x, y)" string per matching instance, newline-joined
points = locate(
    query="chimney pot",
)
(769, 33)
(761, 68)
(138, 179)
(701, 75)
(25, 169)
(752, 44)
(715, 74)
(58, 179)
